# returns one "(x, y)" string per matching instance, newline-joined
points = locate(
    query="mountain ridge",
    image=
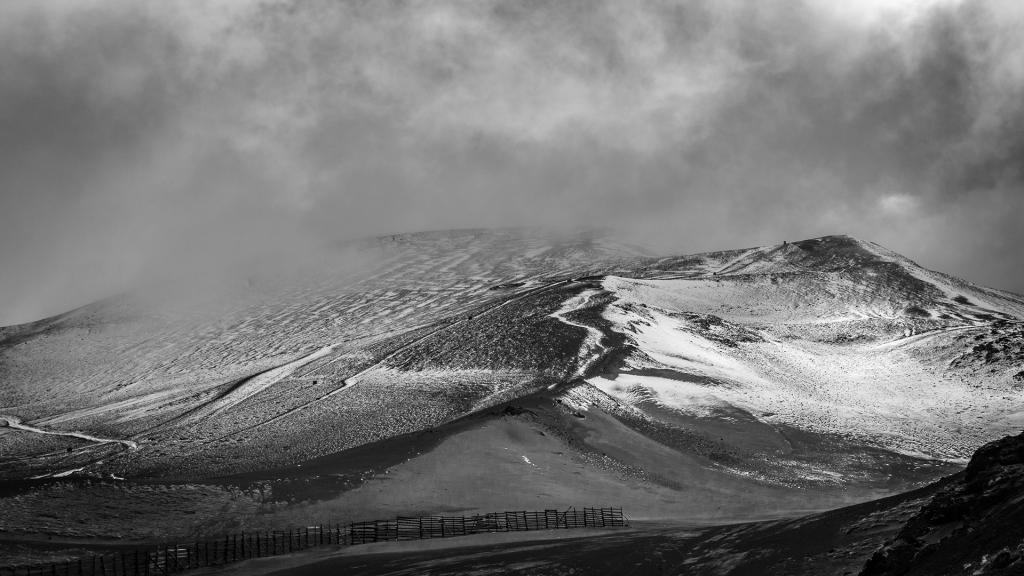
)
(759, 382)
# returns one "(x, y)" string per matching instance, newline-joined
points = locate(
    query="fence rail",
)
(170, 558)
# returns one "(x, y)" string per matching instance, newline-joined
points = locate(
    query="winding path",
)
(592, 343)
(15, 423)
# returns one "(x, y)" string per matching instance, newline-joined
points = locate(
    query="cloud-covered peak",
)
(137, 135)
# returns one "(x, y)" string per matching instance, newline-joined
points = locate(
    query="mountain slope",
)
(968, 523)
(167, 376)
(724, 386)
(831, 336)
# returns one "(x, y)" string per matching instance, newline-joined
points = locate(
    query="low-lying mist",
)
(178, 142)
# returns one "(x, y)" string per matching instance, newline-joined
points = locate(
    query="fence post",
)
(265, 545)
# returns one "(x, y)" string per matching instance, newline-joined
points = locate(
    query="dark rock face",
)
(974, 526)
(996, 461)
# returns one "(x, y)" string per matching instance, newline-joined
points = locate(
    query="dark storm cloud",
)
(140, 137)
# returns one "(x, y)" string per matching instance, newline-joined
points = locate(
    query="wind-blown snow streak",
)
(261, 382)
(743, 258)
(351, 381)
(63, 474)
(15, 423)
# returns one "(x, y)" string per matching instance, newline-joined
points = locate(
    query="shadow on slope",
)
(968, 523)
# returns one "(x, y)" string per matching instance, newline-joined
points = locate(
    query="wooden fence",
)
(166, 559)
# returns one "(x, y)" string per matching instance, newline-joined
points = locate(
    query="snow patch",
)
(885, 396)
(686, 397)
(64, 474)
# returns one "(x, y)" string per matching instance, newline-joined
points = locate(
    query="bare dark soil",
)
(836, 542)
(967, 523)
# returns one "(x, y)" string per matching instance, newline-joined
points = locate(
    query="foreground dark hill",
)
(975, 524)
(710, 388)
(968, 523)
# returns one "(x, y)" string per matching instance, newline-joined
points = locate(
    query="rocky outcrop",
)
(974, 526)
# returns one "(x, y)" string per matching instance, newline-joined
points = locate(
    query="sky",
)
(140, 137)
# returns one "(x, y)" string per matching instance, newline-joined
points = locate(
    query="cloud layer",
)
(140, 135)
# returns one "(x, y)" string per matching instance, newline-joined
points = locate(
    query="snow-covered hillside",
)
(271, 362)
(715, 387)
(833, 336)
